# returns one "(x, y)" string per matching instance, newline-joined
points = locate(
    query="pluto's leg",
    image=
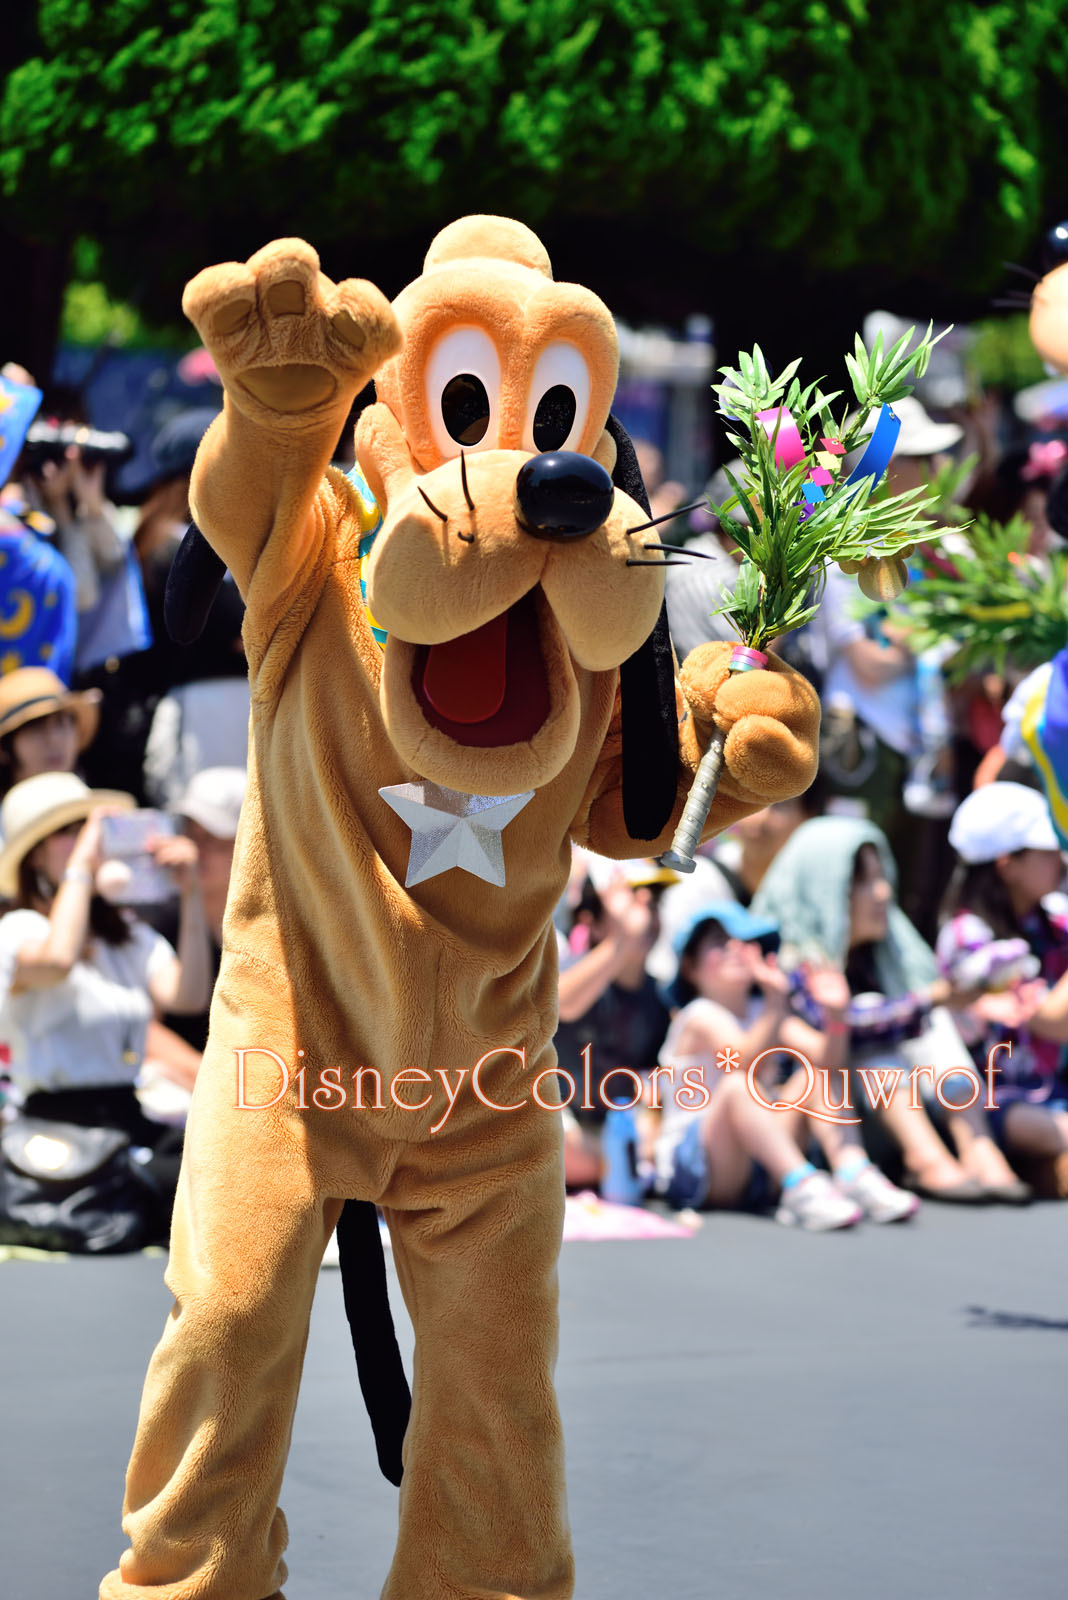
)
(476, 1226)
(201, 1509)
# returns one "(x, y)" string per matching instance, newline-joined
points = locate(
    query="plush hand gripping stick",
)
(457, 622)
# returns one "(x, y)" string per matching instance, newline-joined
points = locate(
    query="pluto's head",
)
(508, 560)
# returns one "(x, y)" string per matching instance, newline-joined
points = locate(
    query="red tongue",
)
(464, 679)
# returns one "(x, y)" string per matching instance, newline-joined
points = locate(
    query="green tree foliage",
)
(846, 135)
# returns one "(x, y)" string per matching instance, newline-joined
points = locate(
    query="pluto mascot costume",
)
(459, 664)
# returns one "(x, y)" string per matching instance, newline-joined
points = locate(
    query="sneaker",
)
(877, 1197)
(817, 1204)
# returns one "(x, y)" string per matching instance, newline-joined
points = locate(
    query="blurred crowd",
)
(890, 949)
(857, 1002)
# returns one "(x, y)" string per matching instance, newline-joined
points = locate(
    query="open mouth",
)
(488, 687)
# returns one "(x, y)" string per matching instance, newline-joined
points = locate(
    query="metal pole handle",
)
(680, 858)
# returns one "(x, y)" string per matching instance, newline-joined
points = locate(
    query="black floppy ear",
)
(647, 688)
(194, 580)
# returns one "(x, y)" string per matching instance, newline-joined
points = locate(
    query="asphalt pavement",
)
(751, 1414)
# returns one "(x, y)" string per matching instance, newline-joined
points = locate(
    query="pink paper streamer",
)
(789, 449)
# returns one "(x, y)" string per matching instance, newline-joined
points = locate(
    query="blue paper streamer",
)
(876, 458)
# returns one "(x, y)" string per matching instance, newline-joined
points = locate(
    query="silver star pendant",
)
(450, 829)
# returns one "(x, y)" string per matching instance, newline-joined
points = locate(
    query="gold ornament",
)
(883, 578)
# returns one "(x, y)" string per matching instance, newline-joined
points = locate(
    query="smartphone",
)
(129, 874)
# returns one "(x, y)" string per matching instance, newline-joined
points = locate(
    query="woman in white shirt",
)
(81, 979)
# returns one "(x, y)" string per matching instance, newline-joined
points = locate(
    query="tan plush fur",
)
(326, 952)
(1049, 317)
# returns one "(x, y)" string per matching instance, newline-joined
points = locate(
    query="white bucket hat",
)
(214, 798)
(999, 819)
(39, 806)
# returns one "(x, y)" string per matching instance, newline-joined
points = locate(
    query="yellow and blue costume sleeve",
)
(1044, 730)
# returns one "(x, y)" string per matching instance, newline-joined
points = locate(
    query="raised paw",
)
(286, 340)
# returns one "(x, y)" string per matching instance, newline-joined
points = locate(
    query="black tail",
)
(378, 1359)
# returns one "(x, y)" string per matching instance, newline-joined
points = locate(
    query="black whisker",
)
(463, 480)
(652, 523)
(468, 538)
(682, 550)
(1028, 272)
(1007, 304)
(633, 562)
(440, 514)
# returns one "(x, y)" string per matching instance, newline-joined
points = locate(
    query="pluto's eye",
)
(463, 392)
(554, 417)
(1055, 247)
(558, 399)
(465, 408)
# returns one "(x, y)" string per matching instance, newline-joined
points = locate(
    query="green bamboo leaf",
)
(858, 378)
(742, 500)
(893, 354)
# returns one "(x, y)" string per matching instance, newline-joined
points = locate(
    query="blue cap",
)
(736, 922)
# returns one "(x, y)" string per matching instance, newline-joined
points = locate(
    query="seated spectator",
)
(998, 928)
(44, 727)
(210, 810)
(608, 1001)
(831, 891)
(720, 1143)
(80, 979)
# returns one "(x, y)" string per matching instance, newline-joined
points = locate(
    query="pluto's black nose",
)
(562, 495)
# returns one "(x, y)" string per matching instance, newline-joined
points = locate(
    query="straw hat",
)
(39, 806)
(33, 692)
